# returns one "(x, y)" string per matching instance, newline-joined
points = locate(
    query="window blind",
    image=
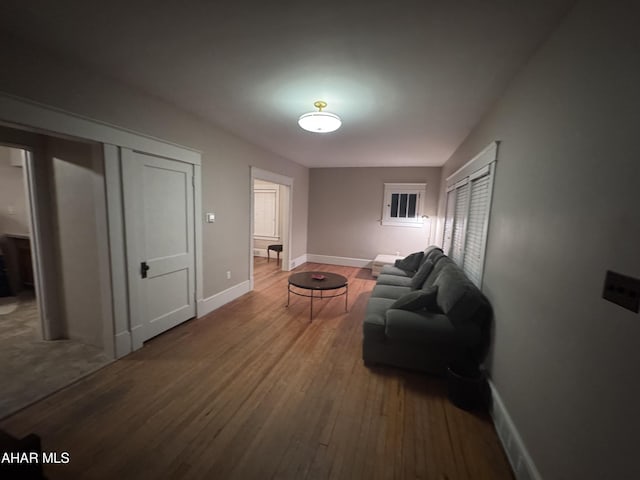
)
(467, 212)
(459, 220)
(479, 200)
(448, 221)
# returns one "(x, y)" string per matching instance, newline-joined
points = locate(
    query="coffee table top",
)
(331, 281)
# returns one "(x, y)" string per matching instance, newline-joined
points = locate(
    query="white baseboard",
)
(260, 252)
(137, 337)
(343, 261)
(296, 262)
(523, 466)
(123, 344)
(214, 302)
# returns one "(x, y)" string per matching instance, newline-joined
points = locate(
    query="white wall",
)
(345, 208)
(565, 361)
(226, 159)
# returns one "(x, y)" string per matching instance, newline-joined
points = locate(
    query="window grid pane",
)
(412, 205)
(403, 205)
(394, 205)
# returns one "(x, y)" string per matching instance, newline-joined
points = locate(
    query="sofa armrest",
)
(419, 327)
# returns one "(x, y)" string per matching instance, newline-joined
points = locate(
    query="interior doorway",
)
(51, 332)
(17, 283)
(271, 209)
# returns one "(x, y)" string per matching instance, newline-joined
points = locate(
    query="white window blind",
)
(476, 227)
(448, 221)
(459, 223)
(467, 212)
(265, 220)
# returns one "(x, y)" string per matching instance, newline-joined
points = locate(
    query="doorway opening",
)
(270, 242)
(51, 330)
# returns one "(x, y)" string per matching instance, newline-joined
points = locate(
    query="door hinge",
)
(144, 268)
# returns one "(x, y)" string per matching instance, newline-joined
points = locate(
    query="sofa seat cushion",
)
(398, 281)
(375, 318)
(393, 292)
(393, 270)
(422, 328)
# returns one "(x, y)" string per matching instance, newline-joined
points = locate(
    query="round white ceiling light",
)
(320, 122)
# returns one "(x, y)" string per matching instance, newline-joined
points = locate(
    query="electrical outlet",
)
(229, 275)
(622, 290)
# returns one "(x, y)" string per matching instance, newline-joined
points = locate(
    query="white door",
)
(159, 222)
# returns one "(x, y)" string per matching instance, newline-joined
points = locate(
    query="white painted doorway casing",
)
(159, 221)
(286, 218)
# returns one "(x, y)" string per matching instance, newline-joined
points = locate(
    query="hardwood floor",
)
(255, 391)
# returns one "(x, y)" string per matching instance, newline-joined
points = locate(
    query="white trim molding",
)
(122, 344)
(296, 262)
(33, 114)
(216, 301)
(342, 261)
(523, 466)
(488, 155)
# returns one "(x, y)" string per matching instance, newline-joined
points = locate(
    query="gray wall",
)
(12, 194)
(565, 361)
(226, 159)
(345, 208)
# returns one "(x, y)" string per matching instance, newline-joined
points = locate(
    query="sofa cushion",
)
(393, 270)
(417, 300)
(389, 291)
(387, 279)
(431, 253)
(410, 263)
(439, 264)
(421, 275)
(459, 298)
(419, 327)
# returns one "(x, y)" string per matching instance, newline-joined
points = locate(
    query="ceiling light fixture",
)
(320, 122)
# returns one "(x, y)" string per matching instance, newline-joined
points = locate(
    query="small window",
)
(403, 204)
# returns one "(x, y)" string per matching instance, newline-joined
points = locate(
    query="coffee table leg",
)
(346, 297)
(311, 308)
(288, 294)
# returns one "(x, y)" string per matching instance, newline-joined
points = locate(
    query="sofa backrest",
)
(459, 298)
(439, 260)
(431, 253)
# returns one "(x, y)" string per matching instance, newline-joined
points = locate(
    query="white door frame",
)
(287, 182)
(21, 113)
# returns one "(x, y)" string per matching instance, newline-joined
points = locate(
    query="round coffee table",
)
(317, 281)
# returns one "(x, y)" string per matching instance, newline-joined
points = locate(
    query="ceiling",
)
(410, 79)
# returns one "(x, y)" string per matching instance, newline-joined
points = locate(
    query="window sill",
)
(402, 224)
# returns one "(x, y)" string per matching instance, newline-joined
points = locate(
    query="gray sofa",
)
(445, 318)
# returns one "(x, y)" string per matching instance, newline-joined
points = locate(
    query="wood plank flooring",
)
(256, 391)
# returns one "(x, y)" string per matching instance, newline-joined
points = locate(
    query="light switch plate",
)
(622, 290)
(211, 217)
